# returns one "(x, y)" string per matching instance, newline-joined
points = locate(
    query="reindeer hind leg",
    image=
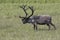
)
(53, 25)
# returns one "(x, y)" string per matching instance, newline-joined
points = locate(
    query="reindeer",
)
(36, 20)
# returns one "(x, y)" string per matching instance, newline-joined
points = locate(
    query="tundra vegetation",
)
(11, 27)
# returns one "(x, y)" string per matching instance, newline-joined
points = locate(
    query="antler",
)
(31, 8)
(24, 8)
(21, 17)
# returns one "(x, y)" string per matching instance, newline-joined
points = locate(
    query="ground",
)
(11, 27)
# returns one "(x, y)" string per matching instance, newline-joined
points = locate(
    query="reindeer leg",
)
(48, 26)
(35, 26)
(53, 25)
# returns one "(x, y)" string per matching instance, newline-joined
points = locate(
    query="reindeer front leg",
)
(35, 26)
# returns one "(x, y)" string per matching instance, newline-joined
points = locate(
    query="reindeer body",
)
(41, 20)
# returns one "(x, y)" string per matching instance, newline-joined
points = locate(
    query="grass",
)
(30, 1)
(11, 27)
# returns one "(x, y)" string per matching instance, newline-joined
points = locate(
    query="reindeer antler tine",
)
(23, 6)
(31, 8)
(21, 17)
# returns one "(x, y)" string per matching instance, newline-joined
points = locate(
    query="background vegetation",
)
(11, 27)
(29, 1)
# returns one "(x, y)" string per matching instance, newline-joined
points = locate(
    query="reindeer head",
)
(26, 18)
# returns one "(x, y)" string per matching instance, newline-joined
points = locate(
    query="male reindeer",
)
(41, 20)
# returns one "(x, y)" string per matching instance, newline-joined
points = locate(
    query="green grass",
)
(29, 1)
(11, 27)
